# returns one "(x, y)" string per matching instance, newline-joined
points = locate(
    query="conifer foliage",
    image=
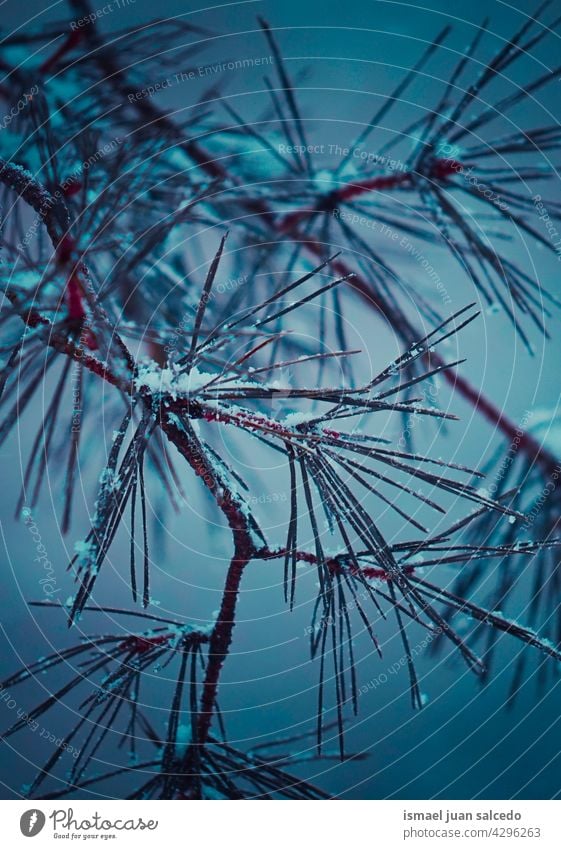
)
(111, 324)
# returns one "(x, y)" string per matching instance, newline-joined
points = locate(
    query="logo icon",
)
(32, 822)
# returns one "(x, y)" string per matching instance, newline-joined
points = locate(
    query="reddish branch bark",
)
(221, 637)
(244, 547)
(187, 444)
(183, 439)
(525, 444)
(72, 40)
(441, 169)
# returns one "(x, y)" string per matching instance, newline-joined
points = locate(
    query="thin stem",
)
(221, 638)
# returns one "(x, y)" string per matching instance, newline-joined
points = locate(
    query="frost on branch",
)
(114, 202)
